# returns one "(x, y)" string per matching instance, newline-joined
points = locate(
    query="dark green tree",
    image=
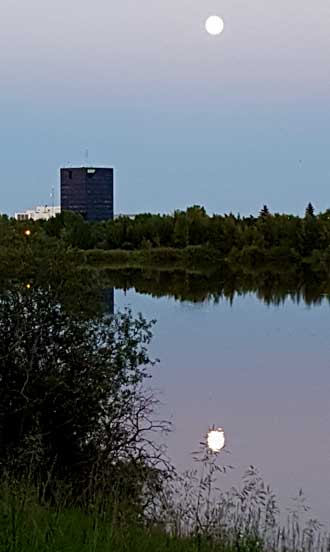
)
(71, 392)
(181, 229)
(309, 212)
(264, 212)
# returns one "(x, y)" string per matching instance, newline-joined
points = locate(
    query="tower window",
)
(70, 175)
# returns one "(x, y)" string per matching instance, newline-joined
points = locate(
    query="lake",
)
(259, 369)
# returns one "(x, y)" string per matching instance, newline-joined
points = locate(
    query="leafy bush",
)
(73, 406)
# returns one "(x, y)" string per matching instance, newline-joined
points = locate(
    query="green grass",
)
(25, 526)
(157, 257)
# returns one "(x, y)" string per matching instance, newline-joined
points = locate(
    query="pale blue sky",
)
(229, 122)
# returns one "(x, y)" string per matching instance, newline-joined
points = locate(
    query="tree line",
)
(247, 240)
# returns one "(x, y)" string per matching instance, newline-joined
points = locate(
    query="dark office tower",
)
(88, 191)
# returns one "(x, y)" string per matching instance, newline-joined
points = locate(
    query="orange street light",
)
(27, 233)
(28, 286)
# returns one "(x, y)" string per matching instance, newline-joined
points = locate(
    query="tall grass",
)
(188, 257)
(189, 514)
(28, 526)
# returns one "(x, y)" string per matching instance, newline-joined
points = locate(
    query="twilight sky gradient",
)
(229, 122)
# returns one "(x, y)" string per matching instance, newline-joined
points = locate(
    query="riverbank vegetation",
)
(82, 461)
(187, 517)
(192, 238)
(195, 272)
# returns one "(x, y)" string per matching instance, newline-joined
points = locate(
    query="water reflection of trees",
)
(270, 286)
(39, 264)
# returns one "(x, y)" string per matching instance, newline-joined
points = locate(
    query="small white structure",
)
(41, 212)
(121, 215)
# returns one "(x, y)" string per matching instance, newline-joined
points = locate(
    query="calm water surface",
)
(261, 372)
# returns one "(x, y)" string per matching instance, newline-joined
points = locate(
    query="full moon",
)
(214, 25)
(216, 439)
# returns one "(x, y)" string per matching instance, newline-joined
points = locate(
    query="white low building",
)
(121, 215)
(41, 212)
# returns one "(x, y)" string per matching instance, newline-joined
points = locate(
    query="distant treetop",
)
(309, 210)
(264, 211)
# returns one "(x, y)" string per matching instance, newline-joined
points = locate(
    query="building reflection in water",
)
(108, 300)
